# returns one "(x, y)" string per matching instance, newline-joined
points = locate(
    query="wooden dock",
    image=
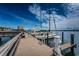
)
(30, 46)
(66, 46)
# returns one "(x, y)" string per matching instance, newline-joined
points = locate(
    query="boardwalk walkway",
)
(30, 46)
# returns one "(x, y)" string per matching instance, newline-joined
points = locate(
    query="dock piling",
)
(62, 37)
(72, 42)
(47, 38)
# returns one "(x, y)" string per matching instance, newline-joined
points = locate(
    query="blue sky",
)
(27, 15)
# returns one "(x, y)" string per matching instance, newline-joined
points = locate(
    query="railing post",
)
(62, 37)
(72, 42)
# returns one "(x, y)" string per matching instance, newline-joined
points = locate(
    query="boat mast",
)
(40, 19)
(54, 21)
(49, 20)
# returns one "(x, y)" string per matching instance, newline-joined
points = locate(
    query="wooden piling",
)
(46, 41)
(62, 37)
(72, 42)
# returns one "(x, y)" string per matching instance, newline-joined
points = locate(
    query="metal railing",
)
(9, 47)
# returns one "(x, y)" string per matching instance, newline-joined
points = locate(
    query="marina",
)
(38, 30)
(25, 45)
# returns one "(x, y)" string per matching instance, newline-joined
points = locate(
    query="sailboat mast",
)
(54, 21)
(49, 20)
(40, 20)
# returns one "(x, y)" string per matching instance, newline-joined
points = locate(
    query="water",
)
(67, 39)
(4, 40)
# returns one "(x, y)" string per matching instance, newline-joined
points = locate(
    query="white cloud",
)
(71, 21)
(73, 10)
(35, 9)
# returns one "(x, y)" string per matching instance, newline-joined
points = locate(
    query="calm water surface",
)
(4, 40)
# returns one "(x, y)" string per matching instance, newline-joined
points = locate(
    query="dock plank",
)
(30, 46)
(66, 46)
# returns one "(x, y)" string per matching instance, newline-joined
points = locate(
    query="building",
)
(20, 28)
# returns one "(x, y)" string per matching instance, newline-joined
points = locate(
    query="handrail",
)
(7, 46)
